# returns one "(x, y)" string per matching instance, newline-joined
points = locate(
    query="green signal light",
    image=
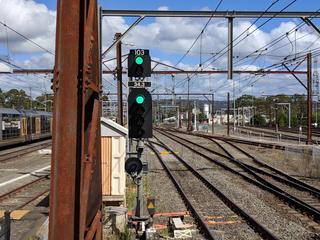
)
(140, 99)
(139, 60)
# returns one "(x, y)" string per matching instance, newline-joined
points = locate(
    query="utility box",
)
(113, 155)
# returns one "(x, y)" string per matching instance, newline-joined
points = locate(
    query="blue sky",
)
(301, 5)
(177, 35)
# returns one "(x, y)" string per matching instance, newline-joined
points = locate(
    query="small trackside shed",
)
(113, 154)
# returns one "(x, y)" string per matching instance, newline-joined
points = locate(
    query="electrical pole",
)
(309, 99)
(195, 115)
(179, 112)
(230, 66)
(316, 86)
(228, 119)
(252, 107)
(212, 112)
(189, 113)
(158, 110)
(173, 91)
(119, 80)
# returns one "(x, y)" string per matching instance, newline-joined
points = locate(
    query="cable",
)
(281, 37)
(201, 32)
(272, 4)
(284, 57)
(16, 66)
(261, 25)
(26, 38)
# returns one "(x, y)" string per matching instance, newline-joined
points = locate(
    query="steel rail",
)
(283, 135)
(253, 223)
(21, 152)
(31, 200)
(243, 141)
(301, 185)
(293, 183)
(7, 194)
(260, 182)
(201, 222)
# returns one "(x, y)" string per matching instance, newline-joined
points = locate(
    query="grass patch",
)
(131, 192)
(127, 234)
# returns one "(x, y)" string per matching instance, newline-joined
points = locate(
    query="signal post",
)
(139, 125)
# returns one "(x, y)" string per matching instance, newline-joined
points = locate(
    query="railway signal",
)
(139, 63)
(140, 113)
(133, 166)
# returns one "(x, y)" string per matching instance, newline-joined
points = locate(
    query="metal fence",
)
(5, 226)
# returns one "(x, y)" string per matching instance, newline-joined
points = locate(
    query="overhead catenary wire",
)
(199, 35)
(18, 67)
(278, 39)
(267, 51)
(257, 28)
(272, 4)
(26, 38)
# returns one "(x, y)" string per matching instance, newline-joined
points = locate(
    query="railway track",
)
(231, 139)
(204, 199)
(295, 193)
(15, 153)
(295, 130)
(22, 196)
(276, 135)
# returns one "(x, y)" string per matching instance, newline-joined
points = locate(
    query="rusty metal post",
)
(309, 98)
(119, 80)
(228, 117)
(75, 192)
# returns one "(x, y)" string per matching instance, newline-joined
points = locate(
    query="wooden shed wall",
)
(106, 161)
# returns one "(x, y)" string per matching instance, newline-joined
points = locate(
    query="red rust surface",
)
(75, 196)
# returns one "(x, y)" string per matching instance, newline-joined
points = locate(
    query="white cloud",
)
(169, 36)
(5, 68)
(31, 19)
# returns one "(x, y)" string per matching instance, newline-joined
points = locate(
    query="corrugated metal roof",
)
(36, 113)
(24, 112)
(110, 128)
(43, 113)
(9, 111)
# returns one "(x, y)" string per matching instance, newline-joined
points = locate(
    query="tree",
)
(259, 120)
(2, 99)
(104, 98)
(282, 120)
(202, 116)
(43, 102)
(16, 99)
(245, 101)
(294, 121)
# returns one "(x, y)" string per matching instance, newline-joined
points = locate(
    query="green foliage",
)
(16, 99)
(202, 116)
(315, 117)
(269, 107)
(282, 120)
(294, 121)
(127, 234)
(245, 100)
(259, 120)
(19, 99)
(104, 98)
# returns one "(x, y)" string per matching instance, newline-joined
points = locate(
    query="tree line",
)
(269, 111)
(19, 99)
